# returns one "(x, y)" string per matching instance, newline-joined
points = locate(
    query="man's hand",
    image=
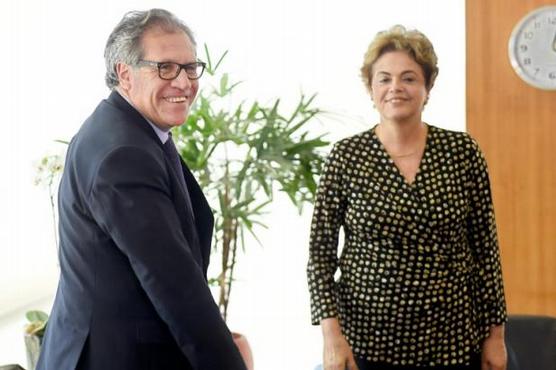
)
(494, 355)
(337, 352)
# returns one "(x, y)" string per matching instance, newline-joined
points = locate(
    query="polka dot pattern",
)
(420, 280)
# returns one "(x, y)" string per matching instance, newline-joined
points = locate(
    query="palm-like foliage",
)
(240, 155)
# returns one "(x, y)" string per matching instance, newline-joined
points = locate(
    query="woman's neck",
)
(401, 135)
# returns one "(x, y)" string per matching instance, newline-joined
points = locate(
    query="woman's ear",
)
(370, 90)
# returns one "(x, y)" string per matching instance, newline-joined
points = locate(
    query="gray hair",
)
(124, 43)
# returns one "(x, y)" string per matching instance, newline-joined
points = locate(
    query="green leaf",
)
(210, 70)
(221, 59)
(36, 315)
(240, 152)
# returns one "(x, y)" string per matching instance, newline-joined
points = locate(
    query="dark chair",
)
(531, 342)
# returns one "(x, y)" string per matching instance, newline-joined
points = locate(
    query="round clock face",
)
(532, 48)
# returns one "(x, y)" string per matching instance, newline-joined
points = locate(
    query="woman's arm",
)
(337, 352)
(328, 218)
(482, 236)
(483, 242)
(494, 355)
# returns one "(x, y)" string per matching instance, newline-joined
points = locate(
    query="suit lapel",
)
(204, 219)
(194, 231)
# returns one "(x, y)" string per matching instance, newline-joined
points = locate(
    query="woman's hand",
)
(337, 352)
(494, 355)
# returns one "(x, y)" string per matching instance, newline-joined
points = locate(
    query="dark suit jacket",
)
(133, 292)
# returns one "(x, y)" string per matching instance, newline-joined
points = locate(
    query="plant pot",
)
(244, 349)
(33, 349)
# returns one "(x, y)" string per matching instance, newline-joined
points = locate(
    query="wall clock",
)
(532, 48)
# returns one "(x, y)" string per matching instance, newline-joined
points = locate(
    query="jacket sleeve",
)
(328, 217)
(483, 240)
(131, 201)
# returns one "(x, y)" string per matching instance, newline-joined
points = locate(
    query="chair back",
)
(531, 342)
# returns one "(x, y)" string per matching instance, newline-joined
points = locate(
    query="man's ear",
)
(124, 75)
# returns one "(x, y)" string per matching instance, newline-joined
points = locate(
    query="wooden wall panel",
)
(515, 125)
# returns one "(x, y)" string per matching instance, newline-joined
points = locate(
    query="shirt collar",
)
(162, 135)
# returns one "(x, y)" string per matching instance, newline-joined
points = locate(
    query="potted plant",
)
(34, 333)
(241, 154)
(49, 170)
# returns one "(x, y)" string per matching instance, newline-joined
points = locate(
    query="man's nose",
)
(181, 81)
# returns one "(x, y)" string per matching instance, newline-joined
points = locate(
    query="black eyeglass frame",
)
(158, 66)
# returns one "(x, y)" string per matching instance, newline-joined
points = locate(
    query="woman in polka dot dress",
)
(420, 282)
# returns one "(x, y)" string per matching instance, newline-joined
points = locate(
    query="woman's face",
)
(398, 87)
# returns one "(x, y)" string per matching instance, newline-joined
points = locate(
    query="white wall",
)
(53, 78)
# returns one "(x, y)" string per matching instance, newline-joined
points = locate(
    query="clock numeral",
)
(532, 47)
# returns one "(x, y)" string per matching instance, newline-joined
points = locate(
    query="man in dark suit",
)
(135, 228)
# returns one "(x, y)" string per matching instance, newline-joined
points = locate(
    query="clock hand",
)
(554, 43)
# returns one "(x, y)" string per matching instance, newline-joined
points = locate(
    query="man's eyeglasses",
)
(171, 70)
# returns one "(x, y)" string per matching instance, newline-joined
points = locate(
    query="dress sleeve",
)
(328, 217)
(483, 240)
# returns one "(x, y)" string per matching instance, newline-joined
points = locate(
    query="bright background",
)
(53, 72)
